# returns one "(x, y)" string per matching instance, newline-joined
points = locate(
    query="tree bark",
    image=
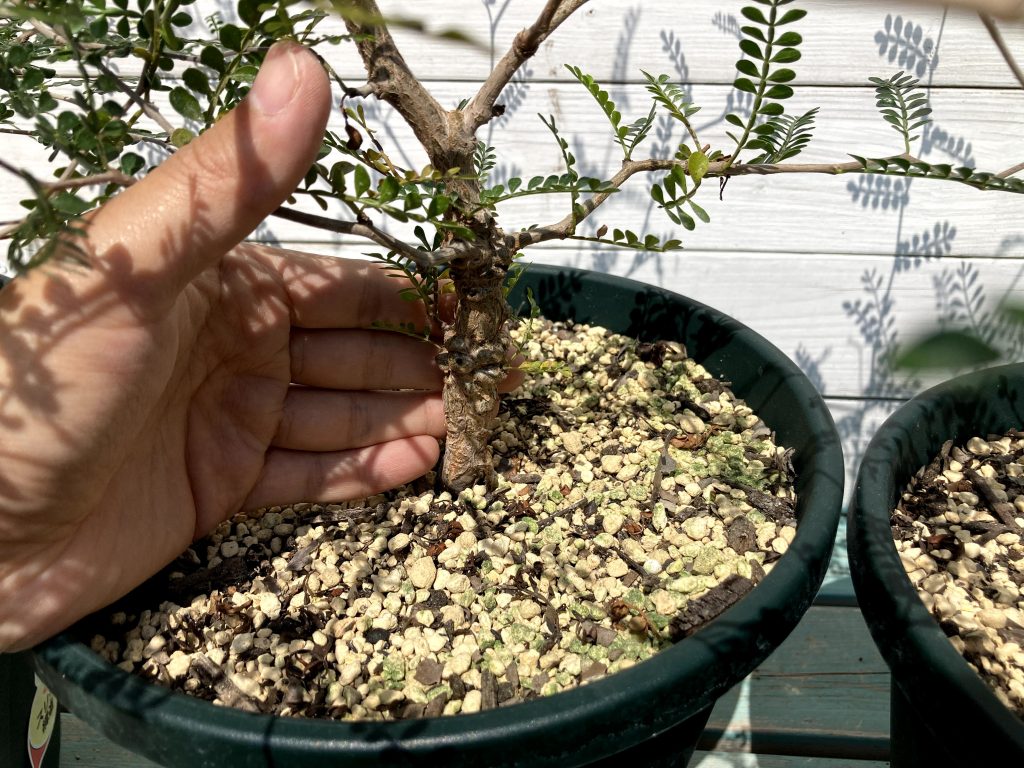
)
(475, 343)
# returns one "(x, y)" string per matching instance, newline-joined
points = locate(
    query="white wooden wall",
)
(834, 270)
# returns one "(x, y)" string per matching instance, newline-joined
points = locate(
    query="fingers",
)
(328, 292)
(213, 192)
(342, 475)
(324, 420)
(360, 359)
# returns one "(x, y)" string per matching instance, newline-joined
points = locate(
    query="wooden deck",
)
(822, 699)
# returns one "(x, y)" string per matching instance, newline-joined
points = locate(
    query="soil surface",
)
(958, 530)
(637, 499)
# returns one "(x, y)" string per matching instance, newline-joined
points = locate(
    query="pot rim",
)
(677, 682)
(932, 675)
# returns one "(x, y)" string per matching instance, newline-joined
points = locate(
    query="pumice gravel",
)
(958, 529)
(637, 498)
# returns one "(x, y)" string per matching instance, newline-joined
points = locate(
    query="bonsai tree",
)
(188, 71)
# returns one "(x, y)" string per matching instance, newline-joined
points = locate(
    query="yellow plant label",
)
(42, 719)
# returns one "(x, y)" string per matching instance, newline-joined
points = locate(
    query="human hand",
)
(181, 377)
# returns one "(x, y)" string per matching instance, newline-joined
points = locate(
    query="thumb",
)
(213, 192)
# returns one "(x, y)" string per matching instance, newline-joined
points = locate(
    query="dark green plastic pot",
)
(651, 714)
(943, 714)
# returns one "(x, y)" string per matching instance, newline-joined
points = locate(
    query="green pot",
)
(935, 694)
(652, 713)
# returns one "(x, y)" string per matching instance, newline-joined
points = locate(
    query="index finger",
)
(330, 292)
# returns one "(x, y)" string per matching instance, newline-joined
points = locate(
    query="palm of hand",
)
(152, 428)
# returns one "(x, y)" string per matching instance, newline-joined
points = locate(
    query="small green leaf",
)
(249, 11)
(752, 49)
(745, 85)
(754, 15)
(747, 67)
(698, 166)
(230, 37)
(18, 56)
(361, 180)
(790, 16)
(196, 80)
(181, 136)
(212, 57)
(754, 33)
(388, 189)
(185, 104)
(66, 202)
(778, 92)
(246, 73)
(786, 56)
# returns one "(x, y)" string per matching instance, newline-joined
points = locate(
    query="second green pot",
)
(943, 713)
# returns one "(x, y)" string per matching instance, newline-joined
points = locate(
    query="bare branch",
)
(525, 45)
(361, 229)
(1004, 9)
(1011, 170)
(1004, 49)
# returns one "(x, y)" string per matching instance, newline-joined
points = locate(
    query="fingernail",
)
(278, 79)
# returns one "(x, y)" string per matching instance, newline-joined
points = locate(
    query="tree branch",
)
(1006, 9)
(1011, 170)
(525, 45)
(1004, 49)
(109, 177)
(391, 80)
(721, 168)
(364, 230)
(566, 227)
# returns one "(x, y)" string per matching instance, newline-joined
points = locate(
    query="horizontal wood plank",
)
(82, 747)
(749, 760)
(824, 691)
(697, 42)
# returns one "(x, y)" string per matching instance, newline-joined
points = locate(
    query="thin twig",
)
(360, 229)
(524, 46)
(1004, 49)
(147, 107)
(109, 177)
(1011, 170)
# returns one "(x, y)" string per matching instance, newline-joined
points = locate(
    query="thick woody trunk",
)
(476, 342)
(474, 363)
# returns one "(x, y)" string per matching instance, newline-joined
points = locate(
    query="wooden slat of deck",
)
(825, 692)
(746, 760)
